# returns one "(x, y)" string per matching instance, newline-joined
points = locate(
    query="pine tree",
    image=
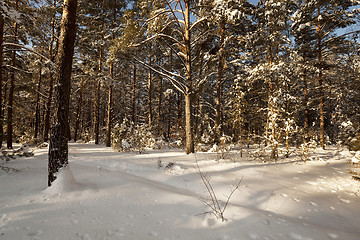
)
(318, 21)
(58, 148)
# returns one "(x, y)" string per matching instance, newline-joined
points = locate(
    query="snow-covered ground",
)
(110, 195)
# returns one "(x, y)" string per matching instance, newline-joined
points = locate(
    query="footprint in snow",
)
(34, 233)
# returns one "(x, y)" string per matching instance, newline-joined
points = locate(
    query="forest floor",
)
(159, 195)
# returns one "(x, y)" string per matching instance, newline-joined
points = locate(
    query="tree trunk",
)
(123, 87)
(37, 110)
(188, 93)
(218, 84)
(88, 116)
(1, 79)
(150, 117)
(97, 102)
(133, 97)
(9, 129)
(11, 90)
(109, 108)
(188, 127)
(179, 109)
(169, 117)
(306, 112)
(320, 80)
(78, 112)
(96, 126)
(58, 148)
(160, 102)
(51, 83)
(109, 116)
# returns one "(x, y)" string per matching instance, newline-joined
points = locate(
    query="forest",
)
(186, 73)
(179, 119)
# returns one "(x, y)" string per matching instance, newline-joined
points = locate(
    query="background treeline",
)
(191, 73)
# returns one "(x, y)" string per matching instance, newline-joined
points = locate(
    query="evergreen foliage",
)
(277, 74)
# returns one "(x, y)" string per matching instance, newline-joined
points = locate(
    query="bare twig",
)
(218, 208)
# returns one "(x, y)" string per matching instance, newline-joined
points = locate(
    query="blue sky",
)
(254, 1)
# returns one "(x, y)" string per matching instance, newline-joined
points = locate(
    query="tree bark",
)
(133, 97)
(123, 87)
(306, 112)
(97, 102)
(37, 110)
(188, 89)
(96, 127)
(78, 112)
(160, 102)
(10, 109)
(109, 116)
(169, 117)
(218, 83)
(9, 129)
(51, 83)
(58, 148)
(1, 79)
(150, 116)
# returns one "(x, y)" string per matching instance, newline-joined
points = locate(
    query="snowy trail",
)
(126, 196)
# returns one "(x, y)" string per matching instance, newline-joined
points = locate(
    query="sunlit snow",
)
(110, 195)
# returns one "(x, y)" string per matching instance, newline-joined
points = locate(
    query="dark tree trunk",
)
(78, 112)
(306, 112)
(58, 147)
(169, 118)
(150, 116)
(37, 110)
(188, 93)
(1, 79)
(51, 83)
(218, 84)
(97, 102)
(88, 115)
(179, 108)
(320, 80)
(97, 111)
(109, 116)
(109, 107)
(123, 87)
(160, 102)
(11, 91)
(133, 97)
(11, 105)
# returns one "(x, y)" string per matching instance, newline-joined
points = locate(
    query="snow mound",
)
(356, 158)
(65, 182)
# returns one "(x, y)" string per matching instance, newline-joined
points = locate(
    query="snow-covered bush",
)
(130, 137)
(208, 135)
(355, 144)
(223, 148)
(356, 158)
(346, 133)
(306, 149)
(28, 138)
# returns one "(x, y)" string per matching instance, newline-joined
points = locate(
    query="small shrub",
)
(355, 144)
(217, 206)
(306, 149)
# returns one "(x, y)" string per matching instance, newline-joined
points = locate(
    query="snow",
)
(110, 195)
(356, 157)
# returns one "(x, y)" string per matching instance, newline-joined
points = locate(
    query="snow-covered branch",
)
(30, 50)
